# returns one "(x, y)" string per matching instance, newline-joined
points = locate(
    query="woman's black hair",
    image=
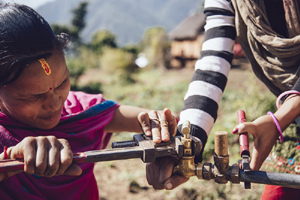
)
(24, 36)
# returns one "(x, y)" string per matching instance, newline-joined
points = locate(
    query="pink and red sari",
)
(82, 123)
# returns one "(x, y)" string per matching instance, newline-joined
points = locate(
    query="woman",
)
(44, 123)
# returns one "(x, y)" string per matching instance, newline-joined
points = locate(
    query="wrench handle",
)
(243, 138)
(13, 165)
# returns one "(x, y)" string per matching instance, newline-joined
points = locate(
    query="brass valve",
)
(221, 171)
(186, 165)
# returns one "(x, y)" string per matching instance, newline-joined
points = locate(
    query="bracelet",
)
(5, 157)
(277, 125)
(283, 94)
(5, 152)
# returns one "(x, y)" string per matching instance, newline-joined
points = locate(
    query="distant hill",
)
(127, 19)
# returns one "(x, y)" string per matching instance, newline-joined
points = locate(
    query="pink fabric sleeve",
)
(79, 101)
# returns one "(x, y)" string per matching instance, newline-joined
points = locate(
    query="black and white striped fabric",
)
(202, 99)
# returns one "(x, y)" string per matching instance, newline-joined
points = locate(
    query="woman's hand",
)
(265, 134)
(158, 124)
(160, 174)
(161, 126)
(44, 156)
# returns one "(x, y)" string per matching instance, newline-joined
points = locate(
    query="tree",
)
(155, 46)
(78, 21)
(119, 63)
(135, 49)
(78, 24)
(103, 39)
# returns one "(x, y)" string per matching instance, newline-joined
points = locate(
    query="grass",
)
(149, 92)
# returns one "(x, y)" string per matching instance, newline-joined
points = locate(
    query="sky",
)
(32, 3)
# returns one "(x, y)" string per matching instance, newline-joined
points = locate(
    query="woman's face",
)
(36, 98)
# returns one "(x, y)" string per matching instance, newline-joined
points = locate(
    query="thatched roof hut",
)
(189, 29)
(187, 38)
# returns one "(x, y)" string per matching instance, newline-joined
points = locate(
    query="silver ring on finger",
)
(154, 122)
(163, 123)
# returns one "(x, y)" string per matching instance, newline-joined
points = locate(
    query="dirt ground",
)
(126, 179)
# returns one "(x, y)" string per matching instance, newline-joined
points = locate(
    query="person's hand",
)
(159, 174)
(161, 125)
(44, 156)
(158, 124)
(265, 134)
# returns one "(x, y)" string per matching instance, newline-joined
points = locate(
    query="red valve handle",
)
(243, 138)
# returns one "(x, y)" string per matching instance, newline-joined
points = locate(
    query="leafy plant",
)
(118, 63)
(103, 39)
(155, 46)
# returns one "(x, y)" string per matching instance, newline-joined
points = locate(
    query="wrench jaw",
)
(246, 168)
(244, 148)
(178, 146)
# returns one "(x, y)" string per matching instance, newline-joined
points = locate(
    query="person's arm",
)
(158, 124)
(125, 119)
(202, 99)
(265, 132)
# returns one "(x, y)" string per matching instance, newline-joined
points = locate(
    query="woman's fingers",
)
(168, 125)
(26, 149)
(243, 127)
(159, 174)
(159, 171)
(155, 126)
(159, 125)
(143, 118)
(171, 121)
(46, 156)
(66, 159)
(265, 134)
(41, 161)
(164, 125)
(53, 156)
(174, 181)
(73, 170)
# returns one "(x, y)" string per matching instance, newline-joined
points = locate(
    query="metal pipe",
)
(271, 178)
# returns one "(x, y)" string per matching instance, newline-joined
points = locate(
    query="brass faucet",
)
(220, 171)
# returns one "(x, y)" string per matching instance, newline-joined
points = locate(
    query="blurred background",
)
(142, 53)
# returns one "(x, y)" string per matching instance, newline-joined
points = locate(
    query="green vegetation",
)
(155, 44)
(102, 39)
(104, 54)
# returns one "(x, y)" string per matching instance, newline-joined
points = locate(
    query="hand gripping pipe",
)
(221, 171)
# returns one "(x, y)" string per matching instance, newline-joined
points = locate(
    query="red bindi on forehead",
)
(45, 65)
